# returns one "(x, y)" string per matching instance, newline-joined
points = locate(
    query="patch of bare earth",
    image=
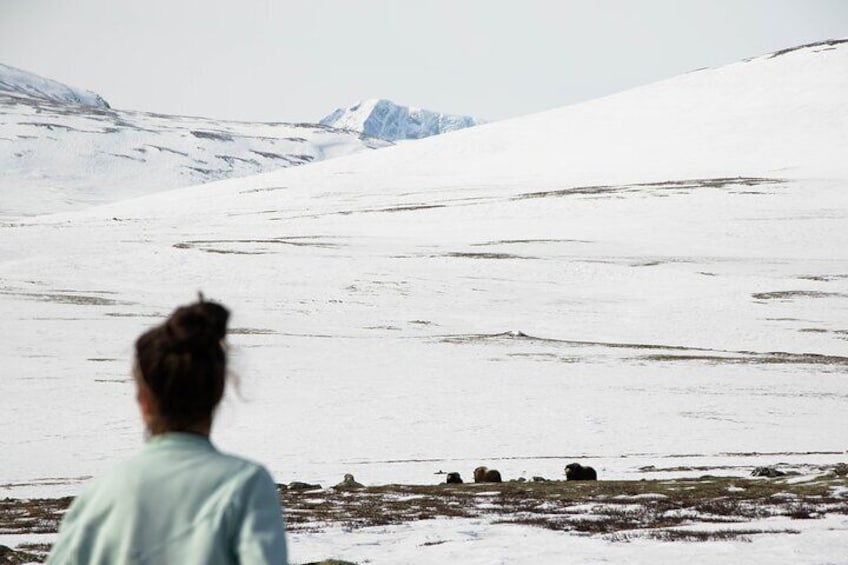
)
(617, 509)
(663, 510)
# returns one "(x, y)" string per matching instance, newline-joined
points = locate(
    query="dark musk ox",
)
(486, 475)
(453, 479)
(577, 472)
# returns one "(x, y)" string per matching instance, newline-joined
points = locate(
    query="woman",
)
(180, 500)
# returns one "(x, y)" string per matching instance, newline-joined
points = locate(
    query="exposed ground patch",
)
(400, 208)
(818, 44)
(253, 246)
(67, 298)
(525, 241)
(655, 188)
(756, 359)
(659, 352)
(823, 278)
(792, 294)
(620, 511)
(251, 331)
(602, 507)
(472, 255)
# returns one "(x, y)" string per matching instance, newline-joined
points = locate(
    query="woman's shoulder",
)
(244, 469)
(192, 470)
(240, 471)
(180, 449)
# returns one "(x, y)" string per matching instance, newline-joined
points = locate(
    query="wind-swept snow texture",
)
(57, 154)
(654, 284)
(386, 120)
(16, 82)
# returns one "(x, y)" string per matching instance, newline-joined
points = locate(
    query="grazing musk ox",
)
(453, 479)
(577, 472)
(486, 475)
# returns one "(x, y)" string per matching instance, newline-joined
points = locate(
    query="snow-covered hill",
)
(654, 283)
(386, 120)
(62, 151)
(16, 82)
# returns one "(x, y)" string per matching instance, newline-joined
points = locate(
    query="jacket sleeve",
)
(261, 533)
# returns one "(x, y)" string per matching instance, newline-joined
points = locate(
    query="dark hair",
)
(183, 363)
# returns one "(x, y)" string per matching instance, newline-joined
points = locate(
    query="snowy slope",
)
(57, 154)
(16, 82)
(656, 278)
(386, 120)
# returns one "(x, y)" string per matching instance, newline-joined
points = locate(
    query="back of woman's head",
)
(183, 364)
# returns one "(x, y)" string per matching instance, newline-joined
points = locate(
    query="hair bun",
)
(199, 325)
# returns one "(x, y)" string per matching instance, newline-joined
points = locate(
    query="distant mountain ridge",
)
(17, 82)
(63, 148)
(389, 121)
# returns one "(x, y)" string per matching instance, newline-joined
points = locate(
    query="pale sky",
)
(298, 60)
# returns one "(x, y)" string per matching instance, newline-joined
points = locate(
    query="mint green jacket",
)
(180, 501)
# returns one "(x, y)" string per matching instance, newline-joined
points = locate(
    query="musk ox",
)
(453, 479)
(299, 485)
(486, 475)
(577, 472)
(348, 482)
(767, 472)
